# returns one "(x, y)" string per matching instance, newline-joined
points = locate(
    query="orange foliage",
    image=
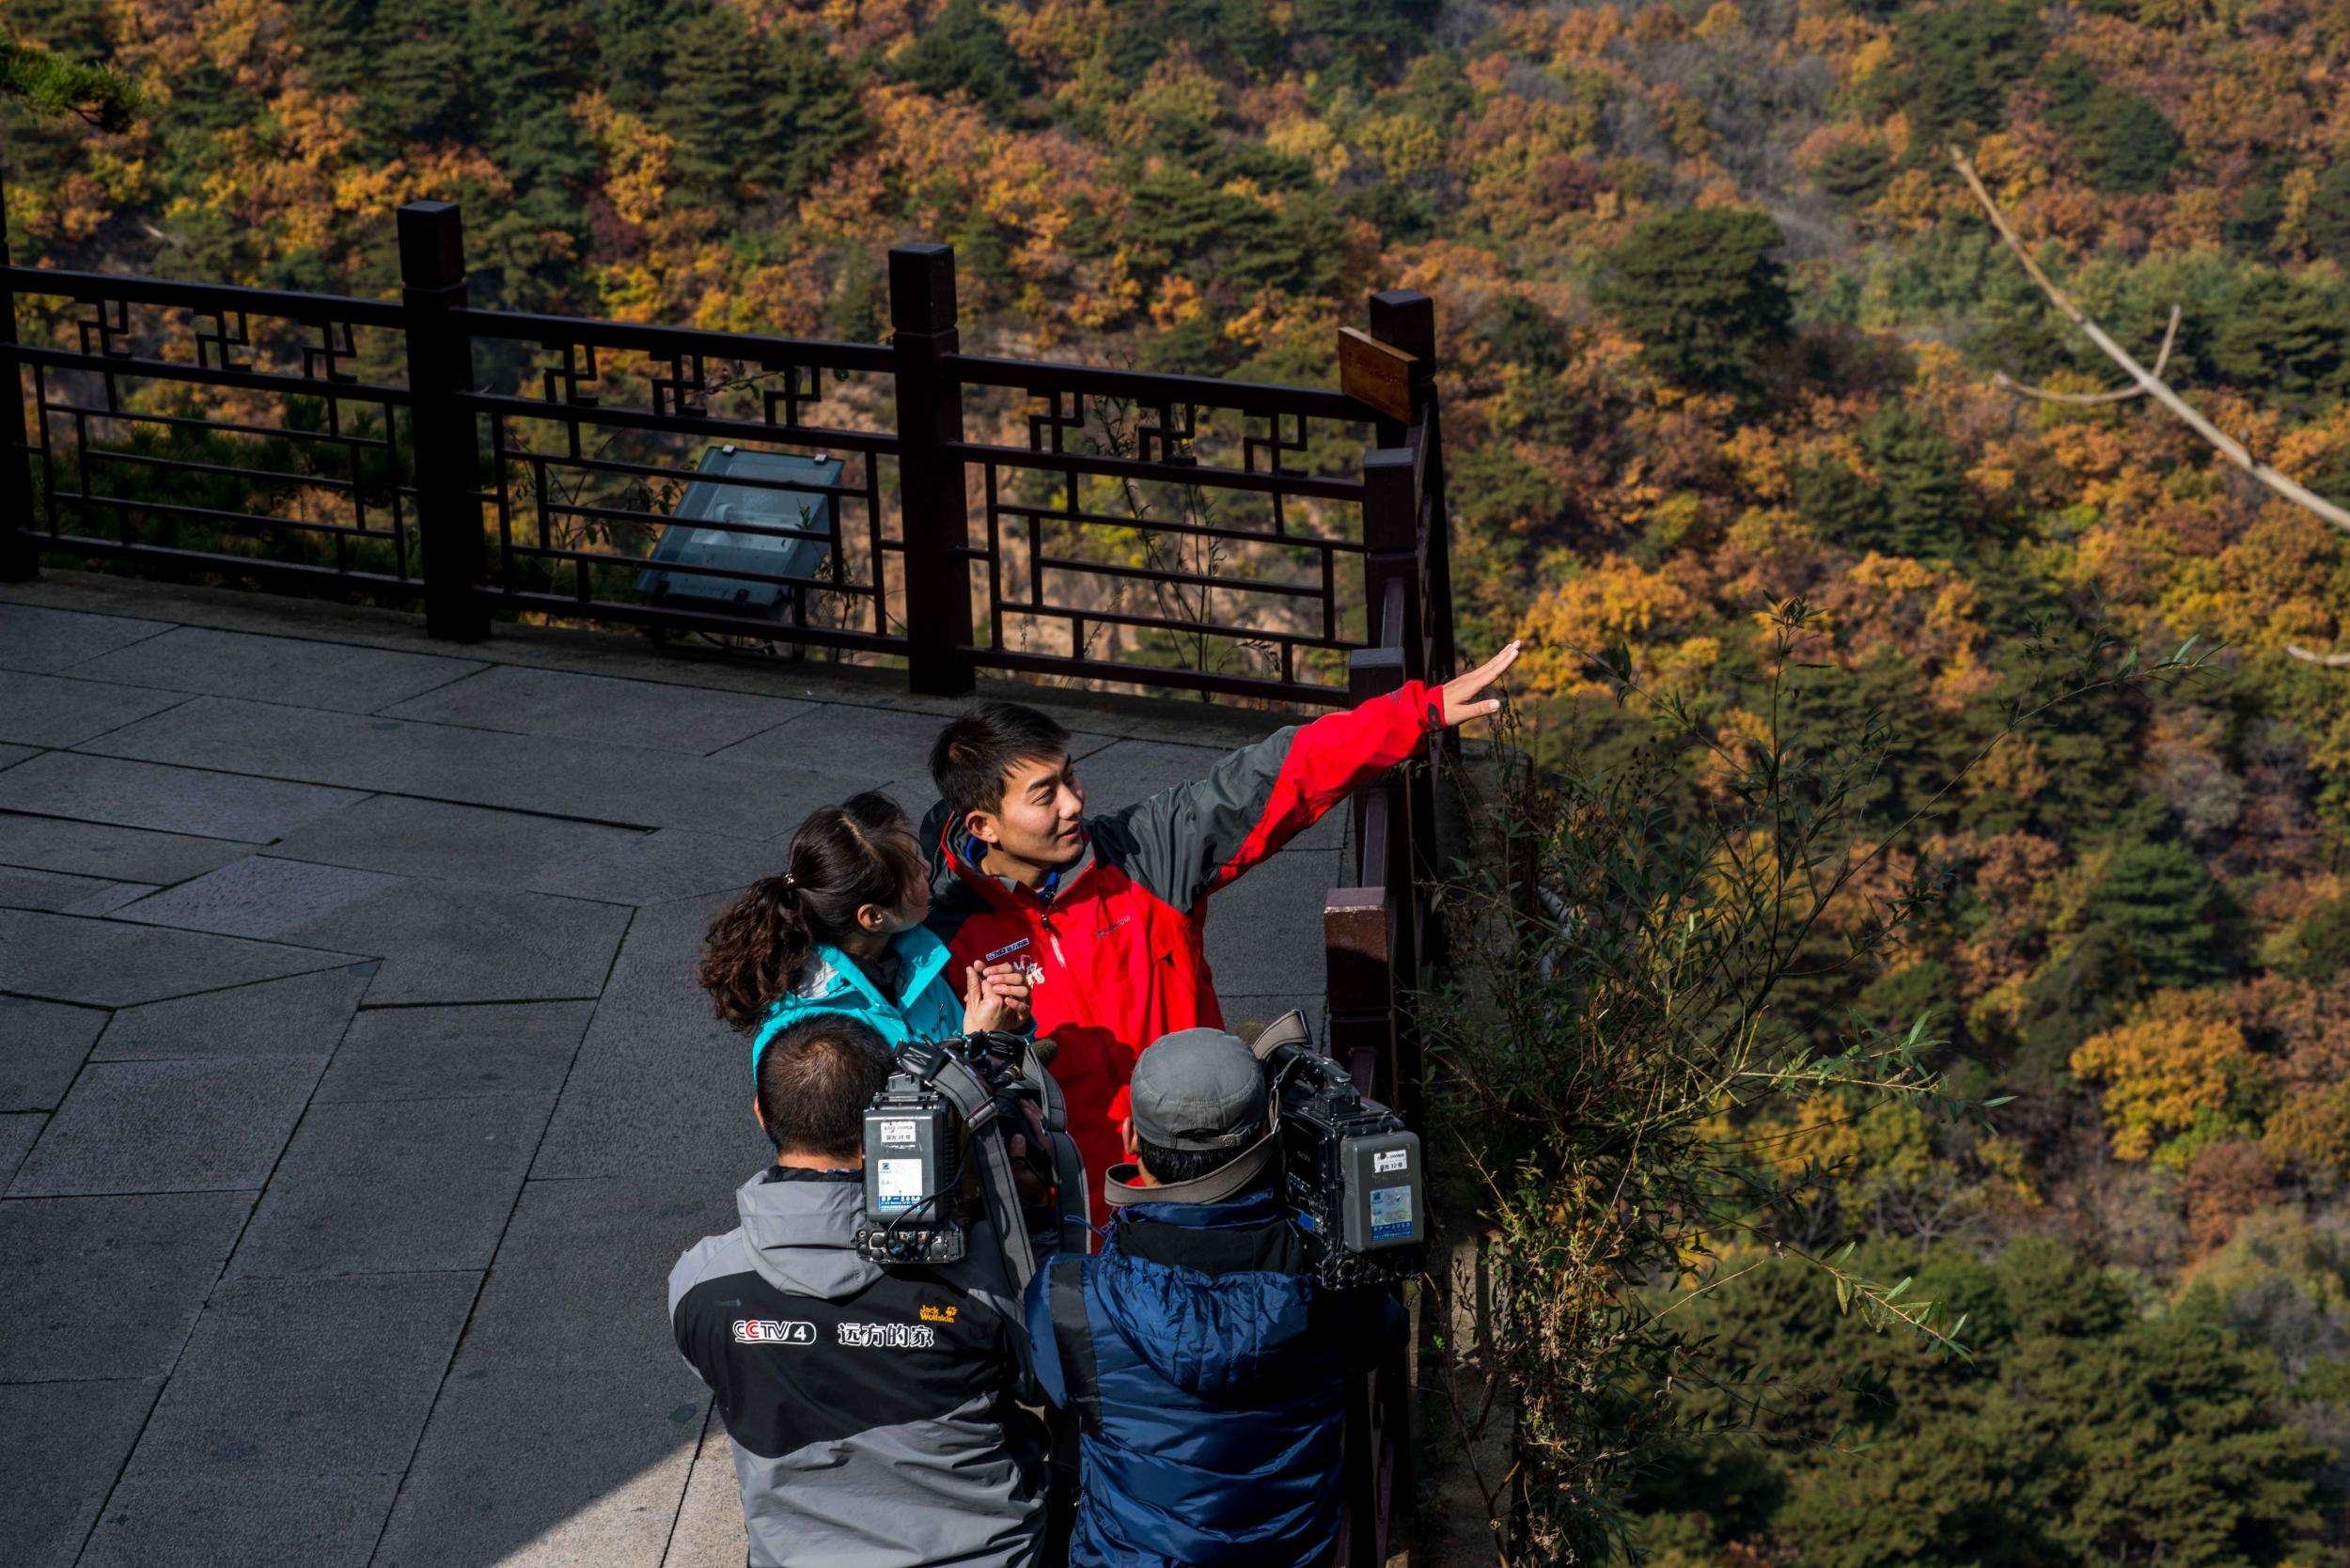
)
(2170, 1065)
(1572, 621)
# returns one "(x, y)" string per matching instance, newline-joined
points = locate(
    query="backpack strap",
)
(1065, 1298)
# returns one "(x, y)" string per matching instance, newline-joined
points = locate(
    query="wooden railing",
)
(1163, 531)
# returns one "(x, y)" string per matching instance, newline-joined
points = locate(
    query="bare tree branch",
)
(2147, 382)
(2082, 400)
(2308, 656)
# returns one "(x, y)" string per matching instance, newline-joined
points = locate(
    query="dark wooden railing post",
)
(1392, 554)
(1367, 947)
(932, 500)
(1367, 929)
(19, 559)
(1406, 319)
(446, 460)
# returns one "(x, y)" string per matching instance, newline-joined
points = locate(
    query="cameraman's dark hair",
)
(1169, 1166)
(975, 753)
(815, 1079)
(842, 856)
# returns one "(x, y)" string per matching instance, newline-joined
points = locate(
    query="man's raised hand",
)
(1461, 703)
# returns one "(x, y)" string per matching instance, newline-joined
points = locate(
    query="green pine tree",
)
(756, 116)
(1924, 508)
(1700, 289)
(964, 49)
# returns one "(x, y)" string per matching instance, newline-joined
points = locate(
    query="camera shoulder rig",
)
(955, 1101)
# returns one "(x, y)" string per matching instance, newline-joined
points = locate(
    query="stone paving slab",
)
(581, 1282)
(1133, 770)
(203, 1125)
(61, 1446)
(333, 675)
(108, 963)
(447, 944)
(258, 896)
(241, 1521)
(658, 1076)
(308, 1377)
(455, 843)
(108, 1287)
(388, 1186)
(51, 711)
(1264, 932)
(110, 896)
(623, 652)
(54, 891)
(709, 1530)
(45, 640)
(18, 1130)
(619, 1505)
(659, 867)
(100, 850)
(551, 774)
(302, 1016)
(12, 755)
(877, 745)
(172, 799)
(568, 1424)
(430, 1053)
(667, 717)
(915, 798)
(42, 1046)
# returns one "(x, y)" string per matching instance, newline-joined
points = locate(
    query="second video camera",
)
(1350, 1169)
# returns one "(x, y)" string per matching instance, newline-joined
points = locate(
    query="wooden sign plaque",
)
(1375, 375)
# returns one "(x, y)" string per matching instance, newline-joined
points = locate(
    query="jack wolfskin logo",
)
(768, 1331)
(938, 1314)
(887, 1336)
(1112, 926)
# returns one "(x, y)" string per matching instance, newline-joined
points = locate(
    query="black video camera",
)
(945, 1112)
(1350, 1169)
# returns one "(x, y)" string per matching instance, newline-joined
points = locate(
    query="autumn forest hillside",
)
(1721, 327)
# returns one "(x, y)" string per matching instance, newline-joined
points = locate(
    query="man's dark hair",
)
(816, 1079)
(1171, 1167)
(975, 753)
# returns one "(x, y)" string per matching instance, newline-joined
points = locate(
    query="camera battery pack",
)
(1385, 1205)
(905, 1155)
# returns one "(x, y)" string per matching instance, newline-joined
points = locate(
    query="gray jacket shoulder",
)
(707, 1258)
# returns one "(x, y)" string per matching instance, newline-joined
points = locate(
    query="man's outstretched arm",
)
(1197, 837)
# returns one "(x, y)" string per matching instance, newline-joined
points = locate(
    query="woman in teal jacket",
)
(841, 931)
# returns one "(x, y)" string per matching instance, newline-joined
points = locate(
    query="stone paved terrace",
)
(356, 1095)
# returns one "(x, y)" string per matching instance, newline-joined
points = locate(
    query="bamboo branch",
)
(2227, 446)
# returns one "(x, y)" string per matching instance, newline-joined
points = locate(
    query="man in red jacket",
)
(1107, 912)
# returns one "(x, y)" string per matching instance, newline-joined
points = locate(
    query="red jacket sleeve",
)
(1197, 837)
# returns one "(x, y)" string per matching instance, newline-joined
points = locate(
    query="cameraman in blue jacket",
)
(1206, 1370)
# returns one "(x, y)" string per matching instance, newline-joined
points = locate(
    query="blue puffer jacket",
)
(1208, 1376)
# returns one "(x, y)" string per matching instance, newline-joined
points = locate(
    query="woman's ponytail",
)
(841, 858)
(755, 949)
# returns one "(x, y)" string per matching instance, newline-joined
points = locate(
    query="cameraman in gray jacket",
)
(875, 1415)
